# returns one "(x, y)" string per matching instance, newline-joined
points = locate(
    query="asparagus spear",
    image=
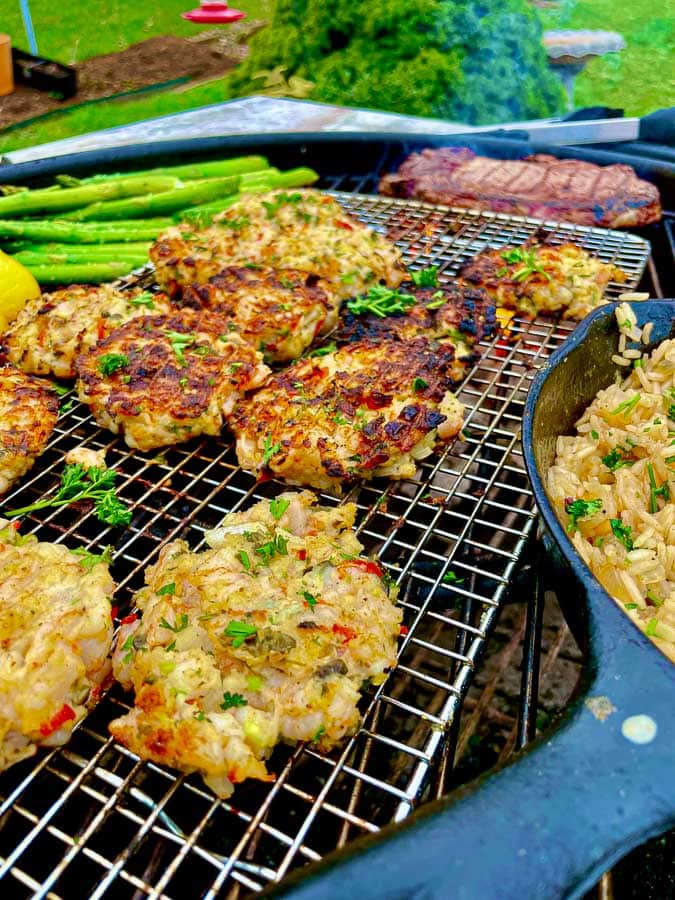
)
(81, 273)
(93, 252)
(202, 216)
(217, 168)
(75, 254)
(82, 232)
(158, 204)
(47, 200)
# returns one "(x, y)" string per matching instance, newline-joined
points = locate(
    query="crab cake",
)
(55, 633)
(29, 409)
(161, 380)
(268, 635)
(52, 330)
(361, 411)
(279, 311)
(304, 230)
(458, 314)
(535, 278)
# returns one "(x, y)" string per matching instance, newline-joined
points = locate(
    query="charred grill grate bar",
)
(90, 819)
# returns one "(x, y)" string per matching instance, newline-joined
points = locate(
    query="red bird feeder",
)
(213, 12)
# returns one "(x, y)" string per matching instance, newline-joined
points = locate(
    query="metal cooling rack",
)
(92, 820)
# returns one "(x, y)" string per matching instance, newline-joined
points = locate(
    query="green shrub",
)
(476, 62)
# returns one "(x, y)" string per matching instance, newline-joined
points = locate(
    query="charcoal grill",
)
(91, 820)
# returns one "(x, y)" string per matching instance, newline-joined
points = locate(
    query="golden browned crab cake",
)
(279, 311)
(543, 278)
(361, 411)
(268, 635)
(457, 314)
(52, 330)
(55, 633)
(162, 380)
(304, 230)
(29, 409)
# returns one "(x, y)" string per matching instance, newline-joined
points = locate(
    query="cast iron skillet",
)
(549, 824)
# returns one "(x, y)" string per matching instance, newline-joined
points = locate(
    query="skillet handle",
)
(548, 825)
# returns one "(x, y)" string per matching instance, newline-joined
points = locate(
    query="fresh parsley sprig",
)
(581, 509)
(381, 301)
(528, 258)
(78, 483)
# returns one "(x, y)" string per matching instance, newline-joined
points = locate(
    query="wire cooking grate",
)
(91, 820)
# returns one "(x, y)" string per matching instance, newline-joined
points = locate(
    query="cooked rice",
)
(623, 455)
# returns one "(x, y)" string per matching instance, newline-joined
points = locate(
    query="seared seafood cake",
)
(362, 411)
(457, 314)
(268, 635)
(535, 278)
(304, 230)
(29, 409)
(52, 330)
(279, 311)
(55, 633)
(162, 380)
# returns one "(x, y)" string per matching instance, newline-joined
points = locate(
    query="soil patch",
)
(159, 59)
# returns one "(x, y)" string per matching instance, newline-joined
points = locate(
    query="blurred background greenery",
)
(421, 57)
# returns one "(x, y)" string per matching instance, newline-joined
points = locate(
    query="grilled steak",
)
(567, 190)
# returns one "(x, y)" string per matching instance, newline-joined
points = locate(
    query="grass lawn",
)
(78, 29)
(639, 79)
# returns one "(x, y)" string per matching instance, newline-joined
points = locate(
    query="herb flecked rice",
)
(611, 484)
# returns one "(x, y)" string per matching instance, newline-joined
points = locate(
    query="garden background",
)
(638, 79)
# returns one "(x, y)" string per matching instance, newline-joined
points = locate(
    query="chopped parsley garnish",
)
(657, 601)
(652, 625)
(381, 301)
(183, 382)
(595, 435)
(452, 578)
(254, 683)
(278, 546)
(630, 605)
(78, 484)
(310, 599)
(234, 366)
(626, 406)
(181, 624)
(235, 224)
(89, 560)
(438, 299)
(654, 491)
(323, 351)
(615, 459)
(128, 645)
(233, 700)
(244, 560)
(425, 277)
(317, 734)
(169, 589)
(278, 507)
(239, 632)
(581, 509)
(270, 450)
(528, 258)
(623, 533)
(179, 344)
(111, 362)
(273, 206)
(144, 299)
(419, 384)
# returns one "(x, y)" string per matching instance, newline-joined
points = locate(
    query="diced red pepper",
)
(113, 612)
(65, 714)
(347, 633)
(403, 630)
(127, 620)
(344, 225)
(368, 565)
(302, 554)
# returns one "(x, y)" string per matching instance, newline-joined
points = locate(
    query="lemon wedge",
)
(17, 286)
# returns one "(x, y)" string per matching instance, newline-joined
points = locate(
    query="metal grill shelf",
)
(91, 820)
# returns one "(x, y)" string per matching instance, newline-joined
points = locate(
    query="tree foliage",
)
(476, 61)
